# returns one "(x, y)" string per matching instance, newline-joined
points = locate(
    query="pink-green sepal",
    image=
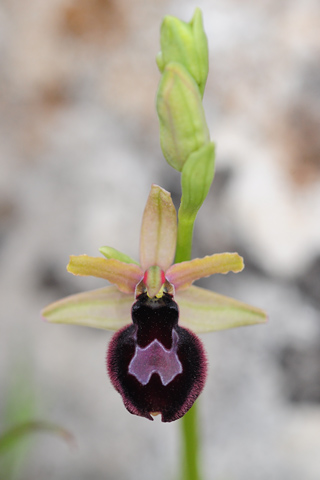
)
(183, 274)
(106, 308)
(158, 231)
(204, 311)
(126, 276)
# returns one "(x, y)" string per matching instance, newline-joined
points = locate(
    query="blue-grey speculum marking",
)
(155, 358)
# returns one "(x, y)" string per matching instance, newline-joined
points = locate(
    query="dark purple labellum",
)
(156, 365)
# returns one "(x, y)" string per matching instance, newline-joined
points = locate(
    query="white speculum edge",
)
(155, 358)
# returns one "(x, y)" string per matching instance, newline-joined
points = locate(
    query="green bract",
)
(196, 179)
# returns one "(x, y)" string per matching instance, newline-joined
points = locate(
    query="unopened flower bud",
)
(185, 43)
(183, 127)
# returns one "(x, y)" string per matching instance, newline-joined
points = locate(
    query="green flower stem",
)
(190, 458)
(184, 237)
(189, 423)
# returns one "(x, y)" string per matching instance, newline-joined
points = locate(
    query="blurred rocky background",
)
(79, 150)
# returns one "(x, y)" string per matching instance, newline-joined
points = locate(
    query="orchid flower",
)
(155, 360)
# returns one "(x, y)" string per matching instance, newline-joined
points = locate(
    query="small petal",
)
(204, 311)
(110, 252)
(158, 230)
(106, 308)
(183, 274)
(126, 276)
